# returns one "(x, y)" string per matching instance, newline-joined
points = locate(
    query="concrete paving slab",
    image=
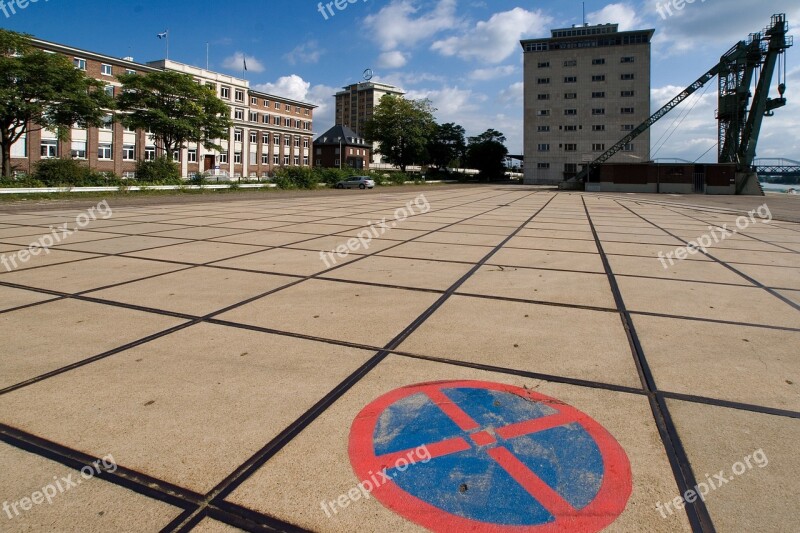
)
(266, 238)
(50, 257)
(528, 337)
(748, 365)
(61, 239)
(591, 290)
(327, 244)
(347, 312)
(448, 237)
(293, 485)
(749, 305)
(756, 258)
(558, 244)
(792, 295)
(773, 276)
(85, 275)
(198, 233)
(681, 270)
(56, 334)
(582, 262)
(287, 261)
(719, 440)
(414, 273)
(121, 245)
(188, 408)
(11, 297)
(92, 504)
(197, 253)
(209, 525)
(197, 291)
(439, 251)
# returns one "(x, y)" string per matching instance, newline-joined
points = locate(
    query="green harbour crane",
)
(740, 112)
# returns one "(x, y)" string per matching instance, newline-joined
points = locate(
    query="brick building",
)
(329, 147)
(268, 131)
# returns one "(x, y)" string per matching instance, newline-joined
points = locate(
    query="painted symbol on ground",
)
(503, 458)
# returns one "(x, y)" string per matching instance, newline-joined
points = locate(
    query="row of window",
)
(572, 127)
(238, 136)
(599, 77)
(572, 147)
(105, 69)
(595, 94)
(238, 114)
(597, 111)
(569, 63)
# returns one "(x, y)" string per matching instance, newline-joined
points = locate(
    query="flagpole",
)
(206, 56)
(167, 44)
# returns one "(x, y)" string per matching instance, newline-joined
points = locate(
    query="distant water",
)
(772, 187)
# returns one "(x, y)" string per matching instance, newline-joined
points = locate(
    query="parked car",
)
(362, 182)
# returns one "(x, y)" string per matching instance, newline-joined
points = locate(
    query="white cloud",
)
(623, 14)
(485, 74)
(402, 23)
(513, 94)
(305, 53)
(394, 59)
(494, 40)
(236, 63)
(451, 103)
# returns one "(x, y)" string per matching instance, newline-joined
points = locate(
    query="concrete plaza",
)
(220, 350)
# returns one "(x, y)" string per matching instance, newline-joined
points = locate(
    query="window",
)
(598, 94)
(627, 59)
(571, 128)
(149, 153)
(570, 112)
(543, 166)
(288, 108)
(108, 123)
(253, 117)
(626, 94)
(254, 100)
(266, 103)
(286, 160)
(543, 129)
(277, 105)
(543, 81)
(598, 127)
(128, 152)
(571, 79)
(570, 147)
(296, 161)
(597, 147)
(305, 112)
(78, 150)
(265, 159)
(570, 96)
(105, 69)
(628, 147)
(225, 92)
(600, 61)
(104, 151)
(265, 138)
(305, 161)
(544, 148)
(544, 64)
(237, 158)
(627, 77)
(212, 86)
(253, 137)
(543, 113)
(191, 155)
(238, 114)
(277, 121)
(265, 119)
(570, 168)
(627, 127)
(543, 96)
(306, 143)
(297, 143)
(276, 139)
(109, 89)
(599, 77)
(276, 160)
(598, 111)
(79, 63)
(176, 155)
(287, 140)
(129, 71)
(237, 136)
(627, 111)
(223, 157)
(239, 95)
(571, 63)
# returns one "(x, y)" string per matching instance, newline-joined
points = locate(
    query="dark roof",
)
(343, 135)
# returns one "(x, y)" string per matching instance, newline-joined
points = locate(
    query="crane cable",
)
(685, 115)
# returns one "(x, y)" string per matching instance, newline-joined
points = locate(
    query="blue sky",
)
(462, 54)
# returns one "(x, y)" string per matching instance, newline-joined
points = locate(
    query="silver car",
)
(362, 182)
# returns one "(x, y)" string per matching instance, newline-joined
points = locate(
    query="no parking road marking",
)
(503, 459)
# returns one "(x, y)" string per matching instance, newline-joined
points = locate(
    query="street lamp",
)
(341, 153)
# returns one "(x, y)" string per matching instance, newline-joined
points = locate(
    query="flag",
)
(163, 35)
(244, 59)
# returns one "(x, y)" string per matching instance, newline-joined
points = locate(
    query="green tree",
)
(446, 145)
(486, 153)
(402, 128)
(43, 91)
(174, 108)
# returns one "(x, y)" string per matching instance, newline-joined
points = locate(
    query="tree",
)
(486, 153)
(174, 108)
(447, 144)
(402, 129)
(43, 91)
